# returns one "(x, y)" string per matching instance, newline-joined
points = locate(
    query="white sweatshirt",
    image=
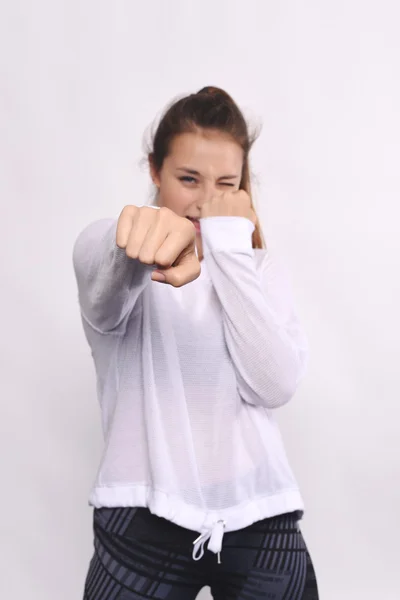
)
(188, 379)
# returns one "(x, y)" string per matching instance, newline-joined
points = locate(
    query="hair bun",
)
(216, 92)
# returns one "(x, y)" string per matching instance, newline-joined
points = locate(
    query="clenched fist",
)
(162, 238)
(230, 204)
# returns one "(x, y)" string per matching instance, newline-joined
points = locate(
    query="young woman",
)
(196, 342)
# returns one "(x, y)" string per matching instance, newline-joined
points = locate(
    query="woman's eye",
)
(229, 184)
(188, 179)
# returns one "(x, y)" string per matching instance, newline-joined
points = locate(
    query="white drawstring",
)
(215, 535)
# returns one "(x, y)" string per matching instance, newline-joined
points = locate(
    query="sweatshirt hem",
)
(185, 515)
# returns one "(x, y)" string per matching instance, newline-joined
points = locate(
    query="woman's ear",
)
(153, 171)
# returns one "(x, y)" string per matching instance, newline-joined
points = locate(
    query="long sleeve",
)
(109, 283)
(266, 342)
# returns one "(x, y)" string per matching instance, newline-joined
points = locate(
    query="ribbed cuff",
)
(227, 234)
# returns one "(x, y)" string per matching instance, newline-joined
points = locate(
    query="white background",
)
(80, 82)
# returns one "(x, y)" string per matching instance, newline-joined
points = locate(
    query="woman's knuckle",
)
(187, 226)
(177, 280)
(146, 210)
(131, 252)
(162, 260)
(146, 257)
(164, 212)
(129, 211)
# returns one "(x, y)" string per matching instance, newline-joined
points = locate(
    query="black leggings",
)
(141, 556)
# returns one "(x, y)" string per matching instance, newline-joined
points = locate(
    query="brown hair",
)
(209, 108)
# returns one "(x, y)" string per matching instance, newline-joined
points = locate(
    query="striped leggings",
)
(141, 556)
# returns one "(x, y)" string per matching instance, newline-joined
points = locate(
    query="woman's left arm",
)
(265, 339)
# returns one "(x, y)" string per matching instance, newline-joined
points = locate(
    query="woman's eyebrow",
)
(187, 170)
(193, 172)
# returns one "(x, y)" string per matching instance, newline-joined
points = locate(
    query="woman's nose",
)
(206, 195)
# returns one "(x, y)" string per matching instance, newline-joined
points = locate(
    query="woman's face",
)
(198, 166)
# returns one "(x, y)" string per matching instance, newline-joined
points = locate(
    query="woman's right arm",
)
(109, 282)
(114, 260)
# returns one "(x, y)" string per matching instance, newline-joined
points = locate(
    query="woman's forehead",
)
(193, 150)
